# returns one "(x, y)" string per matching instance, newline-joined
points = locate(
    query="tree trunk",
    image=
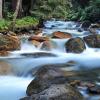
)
(16, 13)
(1, 3)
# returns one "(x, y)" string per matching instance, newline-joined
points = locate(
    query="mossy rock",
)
(93, 40)
(9, 42)
(75, 45)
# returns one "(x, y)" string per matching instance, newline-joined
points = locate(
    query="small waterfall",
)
(26, 47)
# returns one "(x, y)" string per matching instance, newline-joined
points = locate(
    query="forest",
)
(49, 49)
(31, 11)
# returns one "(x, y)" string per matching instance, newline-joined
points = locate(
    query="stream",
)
(13, 86)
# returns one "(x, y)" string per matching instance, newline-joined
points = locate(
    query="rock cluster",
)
(74, 44)
(51, 84)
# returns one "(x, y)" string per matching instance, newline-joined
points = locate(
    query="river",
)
(13, 86)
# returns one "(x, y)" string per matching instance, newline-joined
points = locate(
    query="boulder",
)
(38, 38)
(44, 78)
(57, 92)
(50, 83)
(75, 45)
(93, 40)
(9, 42)
(61, 35)
(4, 53)
(85, 25)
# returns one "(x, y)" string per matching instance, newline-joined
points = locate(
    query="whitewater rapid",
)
(14, 87)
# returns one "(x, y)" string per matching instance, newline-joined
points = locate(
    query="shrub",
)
(23, 22)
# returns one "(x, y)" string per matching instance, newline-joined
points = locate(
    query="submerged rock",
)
(75, 45)
(61, 35)
(5, 68)
(38, 54)
(55, 67)
(9, 42)
(48, 45)
(47, 71)
(93, 40)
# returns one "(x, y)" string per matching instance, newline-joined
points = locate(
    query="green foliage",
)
(64, 9)
(51, 9)
(4, 24)
(9, 15)
(90, 12)
(24, 22)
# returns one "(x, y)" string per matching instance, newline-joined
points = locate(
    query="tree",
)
(1, 3)
(16, 13)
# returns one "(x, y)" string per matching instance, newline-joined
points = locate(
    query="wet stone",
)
(58, 92)
(75, 45)
(94, 90)
(93, 40)
(61, 35)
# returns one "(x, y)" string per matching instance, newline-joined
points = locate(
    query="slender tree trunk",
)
(1, 3)
(16, 13)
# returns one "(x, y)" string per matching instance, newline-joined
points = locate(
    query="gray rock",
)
(45, 77)
(58, 92)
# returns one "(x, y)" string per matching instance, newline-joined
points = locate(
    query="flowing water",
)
(14, 84)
